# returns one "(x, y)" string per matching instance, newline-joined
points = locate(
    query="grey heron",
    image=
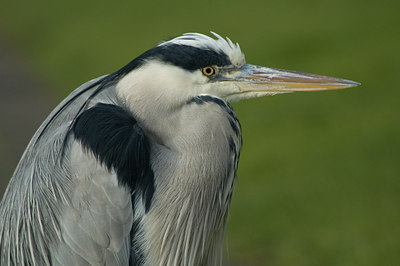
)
(138, 167)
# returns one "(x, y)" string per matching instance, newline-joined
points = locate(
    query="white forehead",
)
(220, 44)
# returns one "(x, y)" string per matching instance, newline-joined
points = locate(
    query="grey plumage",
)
(38, 200)
(138, 167)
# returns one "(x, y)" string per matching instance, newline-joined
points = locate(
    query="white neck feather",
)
(188, 216)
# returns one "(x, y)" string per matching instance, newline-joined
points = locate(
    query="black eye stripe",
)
(188, 57)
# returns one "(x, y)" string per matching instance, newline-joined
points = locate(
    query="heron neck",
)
(194, 176)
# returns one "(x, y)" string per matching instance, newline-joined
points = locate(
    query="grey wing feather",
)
(69, 211)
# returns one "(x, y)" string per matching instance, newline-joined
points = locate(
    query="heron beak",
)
(255, 81)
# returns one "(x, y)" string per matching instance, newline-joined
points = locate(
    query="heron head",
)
(195, 64)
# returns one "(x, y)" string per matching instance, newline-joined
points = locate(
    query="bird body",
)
(138, 167)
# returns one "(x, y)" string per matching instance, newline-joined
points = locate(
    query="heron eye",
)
(208, 71)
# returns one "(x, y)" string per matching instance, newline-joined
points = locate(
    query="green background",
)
(319, 172)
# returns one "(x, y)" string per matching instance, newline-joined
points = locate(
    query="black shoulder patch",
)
(117, 140)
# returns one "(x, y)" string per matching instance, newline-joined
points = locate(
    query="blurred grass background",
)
(319, 172)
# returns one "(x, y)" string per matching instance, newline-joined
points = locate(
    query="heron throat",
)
(194, 179)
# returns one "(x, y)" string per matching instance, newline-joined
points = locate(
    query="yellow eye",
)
(208, 71)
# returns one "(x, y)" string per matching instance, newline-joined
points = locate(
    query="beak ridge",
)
(264, 79)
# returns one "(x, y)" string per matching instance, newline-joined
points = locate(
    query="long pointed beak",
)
(264, 80)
